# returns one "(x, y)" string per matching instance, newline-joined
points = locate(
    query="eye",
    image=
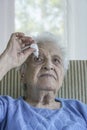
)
(38, 59)
(56, 61)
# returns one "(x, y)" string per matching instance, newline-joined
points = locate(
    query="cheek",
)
(61, 76)
(60, 73)
(32, 74)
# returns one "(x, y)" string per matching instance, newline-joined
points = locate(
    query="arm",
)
(4, 65)
(12, 57)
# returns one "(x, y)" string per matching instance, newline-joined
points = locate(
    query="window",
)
(29, 16)
(33, 16)
(63, 17)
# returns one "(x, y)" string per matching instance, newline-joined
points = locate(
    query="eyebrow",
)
(58, 57)
(42, 51)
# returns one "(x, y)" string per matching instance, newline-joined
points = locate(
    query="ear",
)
(22, 73)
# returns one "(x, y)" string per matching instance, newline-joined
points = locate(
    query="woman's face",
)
(45, 72)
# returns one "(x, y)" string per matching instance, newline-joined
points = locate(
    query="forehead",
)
(52, 48)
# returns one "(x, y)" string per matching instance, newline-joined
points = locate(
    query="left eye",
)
(57, 61)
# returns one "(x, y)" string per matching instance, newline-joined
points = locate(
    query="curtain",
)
(6, 22)
(77, 29)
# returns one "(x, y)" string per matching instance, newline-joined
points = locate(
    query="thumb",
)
(28, 52)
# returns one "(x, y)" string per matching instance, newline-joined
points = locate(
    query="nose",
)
(48, 66)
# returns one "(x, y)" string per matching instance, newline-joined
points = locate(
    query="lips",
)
(48, 75)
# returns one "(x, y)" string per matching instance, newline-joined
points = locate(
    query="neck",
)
(42, 99)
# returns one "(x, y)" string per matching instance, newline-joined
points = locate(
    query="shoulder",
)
(8, 100)
(8, 106)
(72, 102)
(74, 105)
(9, 103)
(5, 99)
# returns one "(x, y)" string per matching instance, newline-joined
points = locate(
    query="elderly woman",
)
(42, 77)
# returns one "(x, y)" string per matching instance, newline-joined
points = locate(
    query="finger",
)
(19, 34)
(27, 39)
(23, 45)
(29, 51)
(24, 55)
(25, 48)
(32, 41)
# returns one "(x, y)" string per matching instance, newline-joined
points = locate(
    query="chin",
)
(46, 87)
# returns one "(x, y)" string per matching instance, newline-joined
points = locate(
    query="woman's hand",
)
(16, 43)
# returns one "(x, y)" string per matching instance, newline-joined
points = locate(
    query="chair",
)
(74, 85)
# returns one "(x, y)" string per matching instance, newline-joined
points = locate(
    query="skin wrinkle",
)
(42, 50)
(41, 90)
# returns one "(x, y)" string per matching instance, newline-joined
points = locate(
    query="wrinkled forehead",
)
(53, 48)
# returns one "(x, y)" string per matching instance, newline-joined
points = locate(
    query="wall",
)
(6, 22)
(77, 28)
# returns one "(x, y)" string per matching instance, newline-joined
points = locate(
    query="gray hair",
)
(50, 37)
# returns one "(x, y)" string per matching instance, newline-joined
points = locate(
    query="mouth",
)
(48, 75)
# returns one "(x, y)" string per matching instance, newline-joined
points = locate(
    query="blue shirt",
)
(16, 114)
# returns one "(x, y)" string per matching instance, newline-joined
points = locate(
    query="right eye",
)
(38, 59)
